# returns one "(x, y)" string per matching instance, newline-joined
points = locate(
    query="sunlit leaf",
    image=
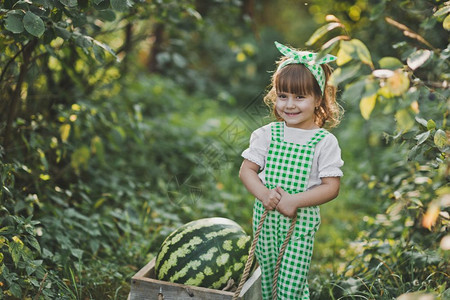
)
(322, 31)
(383, 73)
(194, 13)
(44, 177)
(431, 215)
(332, 18)
(440, 139)
(390, 63)
(442, 11)
(404, 120)
(344, 55)
(395, 85)
(416, 296)
(366, 105)
(64, 130)
(446, 23)
(33, 24)
(445, 243)
(418, 58)
(431, 124)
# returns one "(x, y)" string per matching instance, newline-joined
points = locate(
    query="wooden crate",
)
(145, 286)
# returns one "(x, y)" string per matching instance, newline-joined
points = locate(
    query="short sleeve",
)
(329, 159)
(259, 145)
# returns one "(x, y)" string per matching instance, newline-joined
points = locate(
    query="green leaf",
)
(83, 41)
(344, 73)
(62, 33)
(107, 15)
(106, 48)
(354, 90)
(422, 137)
(15, 290)
(362, 51)
(80, 158)
(14, 22)
(99, 53)
(16, 251)
(69, 3)
(418, 58)
(33, 24)
(78, 253)
(390, 63)
(34, 243)
(322, 31)
(377, 10)
(119, 5)
(440, 139)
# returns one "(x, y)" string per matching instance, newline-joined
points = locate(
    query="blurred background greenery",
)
(121, 120)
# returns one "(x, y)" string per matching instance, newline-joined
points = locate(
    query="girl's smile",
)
(296, 110)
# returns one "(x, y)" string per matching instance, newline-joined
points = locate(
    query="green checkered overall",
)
(288, 165)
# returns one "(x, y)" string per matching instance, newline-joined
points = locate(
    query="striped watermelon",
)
(206, 252)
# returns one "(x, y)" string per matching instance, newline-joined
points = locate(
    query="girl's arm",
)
(249, 176)
(326, 191)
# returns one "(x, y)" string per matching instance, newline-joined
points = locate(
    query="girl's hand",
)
(287, 205)
(271, 200)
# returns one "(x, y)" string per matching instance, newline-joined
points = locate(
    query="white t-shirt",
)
(327, 160)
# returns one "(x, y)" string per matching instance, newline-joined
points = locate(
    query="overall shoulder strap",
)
(277, 131)
(318, 137)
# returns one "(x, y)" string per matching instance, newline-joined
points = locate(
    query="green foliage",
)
(404, 97)
(101, 161)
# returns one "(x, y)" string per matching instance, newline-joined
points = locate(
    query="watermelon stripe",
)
(184, 237)
(177, 235)
(222, 280)
(205, 252)
(183, 272)
(180, 252)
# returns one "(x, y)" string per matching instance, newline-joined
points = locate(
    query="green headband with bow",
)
(308, 59)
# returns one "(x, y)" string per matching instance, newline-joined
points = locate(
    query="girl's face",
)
(297, 110)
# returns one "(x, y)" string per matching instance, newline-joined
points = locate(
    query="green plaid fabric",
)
(288, 165)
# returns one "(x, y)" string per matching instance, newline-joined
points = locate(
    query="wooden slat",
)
(145, 286)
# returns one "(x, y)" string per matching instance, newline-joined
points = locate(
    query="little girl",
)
(292, 166)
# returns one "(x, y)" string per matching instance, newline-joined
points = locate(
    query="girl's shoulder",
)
(264, 130)
(328, 143)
